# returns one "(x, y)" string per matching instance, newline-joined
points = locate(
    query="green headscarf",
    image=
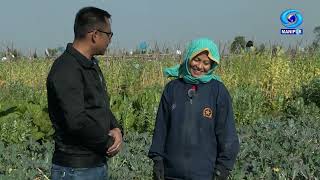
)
(193, 49)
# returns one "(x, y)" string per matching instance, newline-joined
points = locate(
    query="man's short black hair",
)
(88, 19)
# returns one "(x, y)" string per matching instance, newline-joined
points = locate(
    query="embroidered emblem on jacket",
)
(207, 112)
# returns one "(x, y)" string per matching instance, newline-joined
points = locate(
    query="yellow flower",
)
(275, 169)
(1, 83)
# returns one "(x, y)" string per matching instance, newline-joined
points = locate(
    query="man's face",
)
(200, 65)
(103, 38)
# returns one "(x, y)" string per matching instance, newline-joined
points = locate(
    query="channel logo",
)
(291, 19)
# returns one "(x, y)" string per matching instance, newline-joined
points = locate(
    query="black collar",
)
(84, 61)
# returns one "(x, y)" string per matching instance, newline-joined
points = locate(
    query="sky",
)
(40, 24)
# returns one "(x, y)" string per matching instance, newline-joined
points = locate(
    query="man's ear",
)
(94, 36)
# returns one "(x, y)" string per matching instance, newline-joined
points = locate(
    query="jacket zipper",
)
(101, 83)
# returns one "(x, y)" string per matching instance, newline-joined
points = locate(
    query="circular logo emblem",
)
(207, 112)
(291, 18)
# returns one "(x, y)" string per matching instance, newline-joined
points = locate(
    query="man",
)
(86, 131)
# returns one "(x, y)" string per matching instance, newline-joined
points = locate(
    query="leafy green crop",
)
(275, 100)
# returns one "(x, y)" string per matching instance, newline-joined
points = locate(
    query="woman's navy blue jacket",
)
(195, 132)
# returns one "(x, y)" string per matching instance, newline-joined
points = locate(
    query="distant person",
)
(195, 136)
(86, 131)
(249, 46)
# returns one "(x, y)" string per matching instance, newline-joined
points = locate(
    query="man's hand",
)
(117, 136)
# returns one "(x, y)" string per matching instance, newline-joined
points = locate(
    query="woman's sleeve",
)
(227, 138)
(160, 131)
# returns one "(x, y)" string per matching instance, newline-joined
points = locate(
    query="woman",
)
(195, 136)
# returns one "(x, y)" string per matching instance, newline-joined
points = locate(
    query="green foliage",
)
(248, 104)
(275, 100)
(293, 154)
(280, 148)
(311, 92)
(28, 160)
(238, 44)
(23, 115)
(137, 111)
(316, 31)
(132, 162)
(31, 160)
(14, 128)
(146, 105)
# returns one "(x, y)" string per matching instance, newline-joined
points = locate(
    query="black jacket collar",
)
(85, 62)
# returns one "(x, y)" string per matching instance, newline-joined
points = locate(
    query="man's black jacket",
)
(79, 110)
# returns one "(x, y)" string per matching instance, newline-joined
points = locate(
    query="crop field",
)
(276, 101)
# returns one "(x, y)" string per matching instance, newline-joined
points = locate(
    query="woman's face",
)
(200, 64)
